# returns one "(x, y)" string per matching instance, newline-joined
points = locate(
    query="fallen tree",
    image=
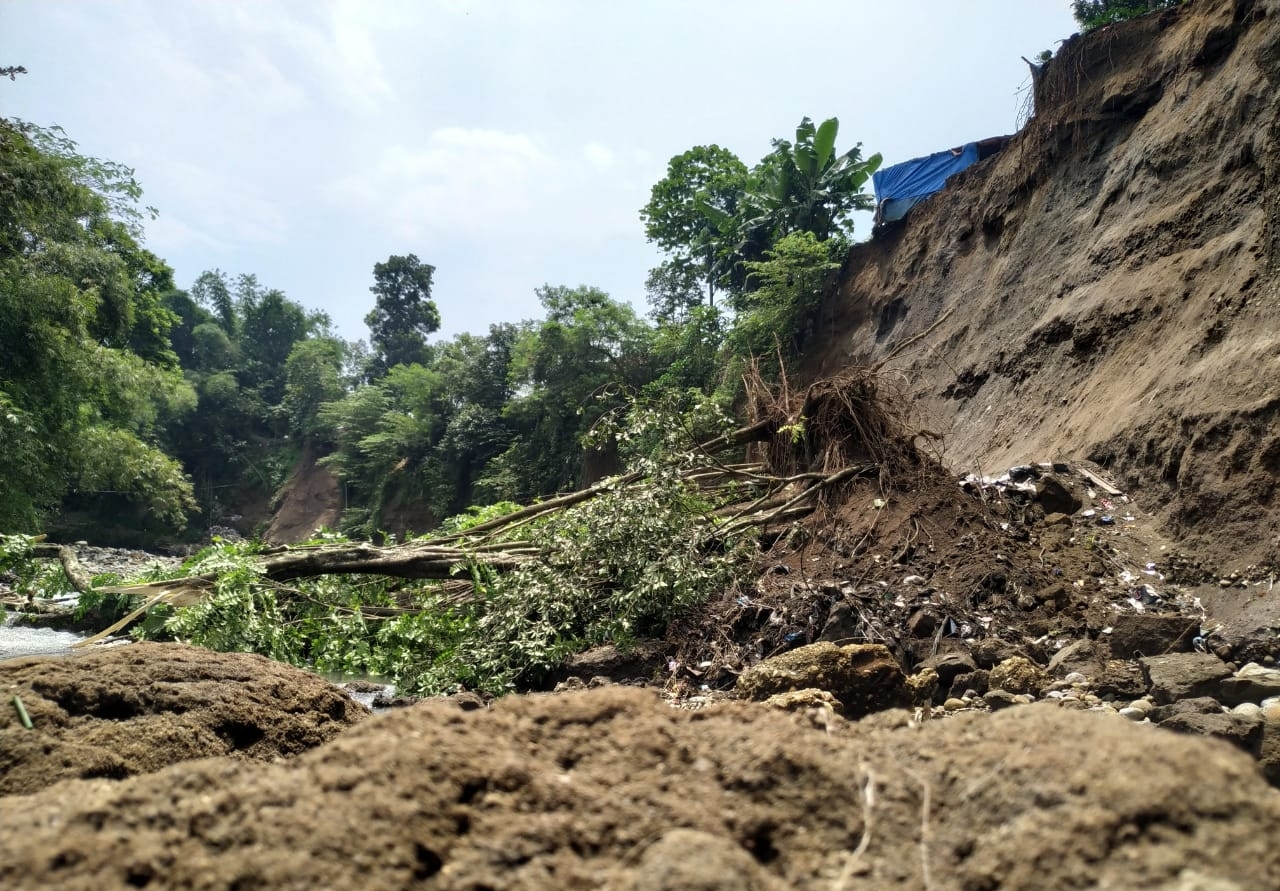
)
(495, 602)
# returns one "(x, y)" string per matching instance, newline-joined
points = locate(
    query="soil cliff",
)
(1107, 287)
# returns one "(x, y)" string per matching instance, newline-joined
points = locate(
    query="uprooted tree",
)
(506, 594)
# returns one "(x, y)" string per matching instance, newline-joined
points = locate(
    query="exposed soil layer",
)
(311, 499)
(1108, 287)
(613, 789)
(129, 710)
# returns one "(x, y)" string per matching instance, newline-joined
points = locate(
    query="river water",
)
(23, 640)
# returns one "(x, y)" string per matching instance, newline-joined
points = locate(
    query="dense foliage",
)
(87, 376)
(1093, 14)
(118, 387)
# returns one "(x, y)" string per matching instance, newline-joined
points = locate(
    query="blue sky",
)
(510, 144)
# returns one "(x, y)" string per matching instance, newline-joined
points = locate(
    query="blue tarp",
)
(902, 185)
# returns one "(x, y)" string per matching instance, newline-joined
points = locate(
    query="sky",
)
(509, 143)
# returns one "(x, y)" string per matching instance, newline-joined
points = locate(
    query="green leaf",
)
(825, 141)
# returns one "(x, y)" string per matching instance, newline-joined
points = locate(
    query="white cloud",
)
(219, 200)
(462, 180)
(598, 156)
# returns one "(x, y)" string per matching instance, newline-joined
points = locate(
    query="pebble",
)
(1248, 709)
(1142, 705)
(954, 705)
(1133, 714)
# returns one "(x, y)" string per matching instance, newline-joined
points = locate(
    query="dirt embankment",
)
(1109, 286)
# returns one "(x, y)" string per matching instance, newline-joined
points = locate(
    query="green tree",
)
(773, 317)
(805, 187)
(313, 374)
(568, 370)
(79, 405)
(1092, 14)
(403, 313)
(705, 183)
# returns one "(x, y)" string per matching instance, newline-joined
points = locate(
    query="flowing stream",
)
(23, 640)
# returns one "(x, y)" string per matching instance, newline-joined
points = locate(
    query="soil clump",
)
(134, 709)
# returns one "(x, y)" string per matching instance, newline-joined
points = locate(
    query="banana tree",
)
(798, 187)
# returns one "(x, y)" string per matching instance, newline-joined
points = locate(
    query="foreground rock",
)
(611, 789)
(864, 678)
(128, 710)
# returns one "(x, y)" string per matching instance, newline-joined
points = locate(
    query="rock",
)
(1196, 705)
(864, 677)
(1082, 656)
(1055, 497)
(998, 699)
(802, 700)
(949, 666)
(977, 681)
(643, 661)
(1121, 679)
(1133, 714)
(1018, 675)
(1183, 675)
(924, 686)
(954, 705)
(1145, 634)
(467, 700)
(1143, 705)
(1252, 683)
(1205, 717)
(135, 709)
(990, 651)
(1248, 709)
(843, 624)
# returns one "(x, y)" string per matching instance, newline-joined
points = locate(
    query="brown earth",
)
(613, 789)
(310, 500)
(128, 710)
(1106, 288)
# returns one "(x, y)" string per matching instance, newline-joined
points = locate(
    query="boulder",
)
(642, 661)
(1252, 683)
(864, 678)
(1083, 656)
(1183, 675)
(1018, 675)
(1144, 634)
(949, 666)
(1204, 716)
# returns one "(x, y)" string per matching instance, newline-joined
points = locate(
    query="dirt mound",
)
(128, 710)
(1107, 287)
(611, 789)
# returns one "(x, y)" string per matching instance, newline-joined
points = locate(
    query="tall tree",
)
(701, 184)
(79, 407)
(403, 313)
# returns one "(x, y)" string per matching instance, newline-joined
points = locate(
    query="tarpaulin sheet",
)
(921, 176)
